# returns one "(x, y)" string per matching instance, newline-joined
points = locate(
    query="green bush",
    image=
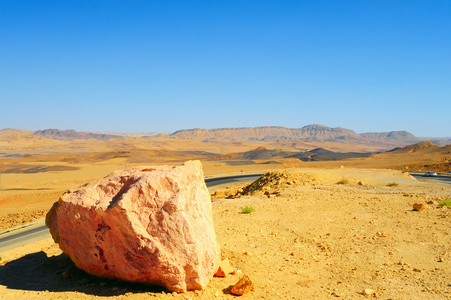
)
(446, 202)
(247, 209)
(391, 184)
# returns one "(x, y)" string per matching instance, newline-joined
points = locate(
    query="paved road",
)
(227, 180)
(39, 231)
(441, 177)
(24, 236)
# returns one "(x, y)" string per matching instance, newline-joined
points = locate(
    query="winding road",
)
(38, 231)
(442, 177)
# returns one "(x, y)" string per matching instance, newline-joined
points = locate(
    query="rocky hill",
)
(418, 147)
(69, 135)
(392, 136)
(10, 133)
(424, 147)
(318, 154)
(445, 150)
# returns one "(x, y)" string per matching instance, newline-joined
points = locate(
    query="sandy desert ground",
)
(312, 240)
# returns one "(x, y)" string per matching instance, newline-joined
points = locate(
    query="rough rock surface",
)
(149, 225)
(243, 286)
(269, 184)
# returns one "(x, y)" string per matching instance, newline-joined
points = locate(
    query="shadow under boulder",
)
(38, 272)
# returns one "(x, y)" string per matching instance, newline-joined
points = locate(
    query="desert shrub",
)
(343, 181)
(446, 202)
(392, 184)
(247, 210)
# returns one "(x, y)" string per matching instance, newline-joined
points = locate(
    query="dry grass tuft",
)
(343, 181)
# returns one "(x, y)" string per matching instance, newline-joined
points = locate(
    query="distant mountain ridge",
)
(69, 135)
(130, 134)
(392, 136)
(14, 133)
(273, 134)
(319, 133)
(309, 133)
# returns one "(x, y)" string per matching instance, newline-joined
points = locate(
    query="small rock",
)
(336, 294)
(360, 183)
(115, 289)
(369, 292)
(382, 234)
(217, 294)
(244, 285)
(224, 268)
(419, 206)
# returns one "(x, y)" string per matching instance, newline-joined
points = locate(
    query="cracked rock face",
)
(149, 225)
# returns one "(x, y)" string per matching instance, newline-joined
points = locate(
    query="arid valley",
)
(225, 150)
(333, 219)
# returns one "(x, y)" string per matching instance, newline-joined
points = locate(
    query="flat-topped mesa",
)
(150, 225)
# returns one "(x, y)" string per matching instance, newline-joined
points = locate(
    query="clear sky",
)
(136, 66)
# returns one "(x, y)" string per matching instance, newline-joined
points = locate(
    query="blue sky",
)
(137, 66)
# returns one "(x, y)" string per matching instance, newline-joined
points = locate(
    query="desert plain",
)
(332, 229)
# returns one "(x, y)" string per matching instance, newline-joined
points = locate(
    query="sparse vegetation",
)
(247, 210)
(446, 202)
(343, 181)
(392, 184)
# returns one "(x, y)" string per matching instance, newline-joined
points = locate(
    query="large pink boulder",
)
(150, 225)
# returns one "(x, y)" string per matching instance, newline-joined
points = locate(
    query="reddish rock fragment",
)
(419, 206)
(243, 286)
(224, 268)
